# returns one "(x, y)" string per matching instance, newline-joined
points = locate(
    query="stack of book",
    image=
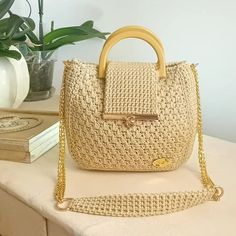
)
(25, 136)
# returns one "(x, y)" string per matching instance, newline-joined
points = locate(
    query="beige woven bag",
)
(122, 116)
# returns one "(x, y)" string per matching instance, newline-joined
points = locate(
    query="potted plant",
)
(40, 52)
(14, 76)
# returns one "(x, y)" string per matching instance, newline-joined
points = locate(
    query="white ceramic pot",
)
(14, 81)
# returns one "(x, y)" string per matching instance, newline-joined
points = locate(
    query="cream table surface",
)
(33, 184)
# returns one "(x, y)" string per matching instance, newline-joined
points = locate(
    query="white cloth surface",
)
(34, 185)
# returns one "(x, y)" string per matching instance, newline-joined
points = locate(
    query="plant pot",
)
(14, 81)
(41, 68)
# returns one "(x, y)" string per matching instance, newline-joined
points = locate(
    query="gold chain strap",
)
(61, 175)
(206, 181)
(136, 204)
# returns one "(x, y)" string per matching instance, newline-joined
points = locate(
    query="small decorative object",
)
(131, 116)
(40, 52)
(14, 76)
(25, 136)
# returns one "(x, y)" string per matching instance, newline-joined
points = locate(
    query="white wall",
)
(200, 31)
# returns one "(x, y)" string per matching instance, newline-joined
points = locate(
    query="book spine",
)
(11, 155)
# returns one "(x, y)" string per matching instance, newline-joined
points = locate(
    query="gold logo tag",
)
(161, 163)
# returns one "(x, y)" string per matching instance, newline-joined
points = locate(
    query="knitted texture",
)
(140, 204)
(131, 88)
(101, 144)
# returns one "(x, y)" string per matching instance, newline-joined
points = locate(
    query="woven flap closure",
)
(130, 89)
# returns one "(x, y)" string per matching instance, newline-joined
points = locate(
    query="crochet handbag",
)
(131, 116)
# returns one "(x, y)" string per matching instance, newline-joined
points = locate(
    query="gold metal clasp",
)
(64, 204)
(129, 121)
(219, 192)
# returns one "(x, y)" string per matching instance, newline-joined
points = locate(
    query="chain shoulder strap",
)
(138, 204)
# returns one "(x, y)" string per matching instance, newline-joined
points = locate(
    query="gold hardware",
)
(65, 206)
(129, 121)
(161, 163)
(219, 192)
(124, 116)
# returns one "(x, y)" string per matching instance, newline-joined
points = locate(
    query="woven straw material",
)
(101, 144)
(130, 205)
(131, 88)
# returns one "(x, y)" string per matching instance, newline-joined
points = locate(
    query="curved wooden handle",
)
(132, 32)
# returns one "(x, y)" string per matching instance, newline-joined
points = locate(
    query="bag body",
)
(129, 116)
(159, 145)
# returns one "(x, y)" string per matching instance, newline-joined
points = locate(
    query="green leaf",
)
(61, 32)
(103, 36)
(14, 22)
(88, 24)
(6, 43)
(3, 25)
(73, 30)
(19, 39)
(20, 34)
(29, 25)
(69, 39)
(28, 31)
(93, 31)
(5, 5)
(10, 53)
(31, 35)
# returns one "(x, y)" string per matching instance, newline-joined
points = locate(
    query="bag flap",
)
(131, 90)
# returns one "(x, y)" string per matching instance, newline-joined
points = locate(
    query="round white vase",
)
(14, 81)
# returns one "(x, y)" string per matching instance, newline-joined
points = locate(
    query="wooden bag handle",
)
(132, 32)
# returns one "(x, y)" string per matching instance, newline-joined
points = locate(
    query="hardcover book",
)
(26, 135)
